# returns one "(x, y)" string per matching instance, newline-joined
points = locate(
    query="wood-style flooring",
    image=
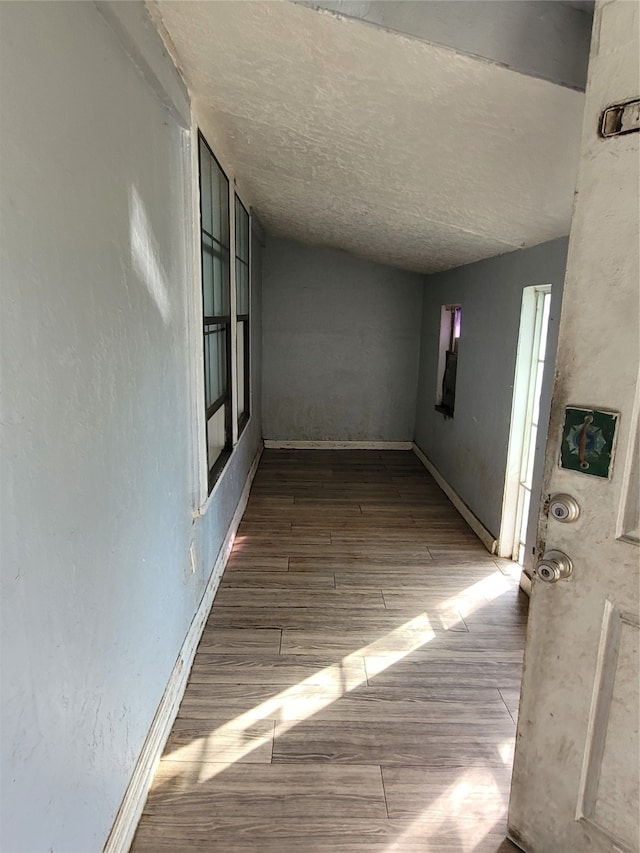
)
(357, 682)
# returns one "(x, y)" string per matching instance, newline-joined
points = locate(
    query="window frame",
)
(450, 322)
(245, 318)
(220, 320)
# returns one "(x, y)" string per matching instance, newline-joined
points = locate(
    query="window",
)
(216, 309)
(243, 295)
(450, 324)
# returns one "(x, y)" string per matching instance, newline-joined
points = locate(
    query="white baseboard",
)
(338, 445)
(488, 539)
(126, 821)
(525, 583)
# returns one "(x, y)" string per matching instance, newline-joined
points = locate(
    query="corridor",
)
(357, 682)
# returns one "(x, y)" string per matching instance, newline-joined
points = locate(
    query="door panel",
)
(575, 782)
(608, 797)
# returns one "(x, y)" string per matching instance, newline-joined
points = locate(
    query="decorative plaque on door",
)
(588, 441)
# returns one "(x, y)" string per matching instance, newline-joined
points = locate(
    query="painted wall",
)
(340, 339)
(470, 450)
(97, 482)
(542, 38)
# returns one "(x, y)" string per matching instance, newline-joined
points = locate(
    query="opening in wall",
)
(525, 436)
(450, 327)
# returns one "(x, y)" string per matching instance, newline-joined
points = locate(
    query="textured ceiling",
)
(350, 136)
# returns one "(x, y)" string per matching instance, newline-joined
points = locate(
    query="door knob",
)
(554, 566)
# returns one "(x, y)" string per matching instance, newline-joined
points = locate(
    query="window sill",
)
(217, 477)
(242, 423)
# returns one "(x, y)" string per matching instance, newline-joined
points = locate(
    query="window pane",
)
(545, 325)
(245, 289)
(221, 284)
(537, 393)
(213, 363)
(531, 457)
(217, 285)
(207, 371)
(240, 367)
(214, 391)
(242, 231)
(224, 206)
(221, 358)
(524, 518)
(242, 288)
(216, 438)
(215, 349)
(220, 204)
(207, 276)
(205, 186)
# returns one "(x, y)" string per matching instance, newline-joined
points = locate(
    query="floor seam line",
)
(384, 792)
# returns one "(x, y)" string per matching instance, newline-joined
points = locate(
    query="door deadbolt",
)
(554, 566)
(563, 508)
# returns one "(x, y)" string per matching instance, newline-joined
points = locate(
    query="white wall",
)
(97, 478)
(470, 450)
(341, 341)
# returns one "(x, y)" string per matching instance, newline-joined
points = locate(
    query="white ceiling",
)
(350, 136)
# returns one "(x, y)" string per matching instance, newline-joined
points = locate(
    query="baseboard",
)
(525, 583)
(338, 445)
(126, 821)
(488, 539)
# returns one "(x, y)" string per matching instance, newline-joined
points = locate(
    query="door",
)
(575, 782)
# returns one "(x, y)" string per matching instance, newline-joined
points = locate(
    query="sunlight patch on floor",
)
(479, 594)
(465, 812)
(233, 741)
(507, 750)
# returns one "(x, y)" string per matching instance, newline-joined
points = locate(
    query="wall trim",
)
(274, 444)
(126, 821)
(526, 583)
(488, 539)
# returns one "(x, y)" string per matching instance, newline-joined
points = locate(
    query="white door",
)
(575, 781)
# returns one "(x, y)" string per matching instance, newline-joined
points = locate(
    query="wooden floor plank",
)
(423, 743)
(479, 792)
(244, 704)
(328, 703)
(307, 598)
(273, 791)
(213, 668)
(261, 641)
(424, 673)
(357, 682)
(333, 619)
(204, 742)
(413, 635)
(317, 835)
(247, 579)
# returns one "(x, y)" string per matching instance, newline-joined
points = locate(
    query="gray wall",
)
(542, 38)
(97, 480)
(470, 450)
(341, 340)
